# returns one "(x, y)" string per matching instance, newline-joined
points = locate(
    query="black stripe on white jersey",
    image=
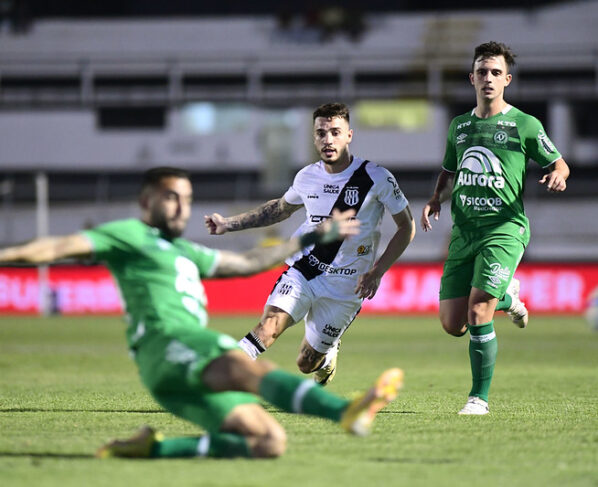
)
(313, 264)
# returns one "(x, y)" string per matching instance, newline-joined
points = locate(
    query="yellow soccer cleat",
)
(138, 446)
(325, 375)
(360, 414)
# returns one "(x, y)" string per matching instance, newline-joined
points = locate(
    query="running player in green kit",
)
(193, 372)
(483, 172)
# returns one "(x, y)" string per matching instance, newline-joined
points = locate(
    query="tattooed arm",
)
(340, 226)
(271, 212)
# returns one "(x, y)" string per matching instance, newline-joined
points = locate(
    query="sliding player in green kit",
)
(193, 372)
(484, 171)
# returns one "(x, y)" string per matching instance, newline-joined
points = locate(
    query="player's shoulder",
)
(194, 246)
(523, 120)
(311, 170)
(463, 118)
(116, 226)
(376, 171)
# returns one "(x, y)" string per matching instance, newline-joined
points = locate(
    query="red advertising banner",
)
(406, 288)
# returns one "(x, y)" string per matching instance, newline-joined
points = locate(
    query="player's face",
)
(331, 138)
(168, 206)
(490, 77)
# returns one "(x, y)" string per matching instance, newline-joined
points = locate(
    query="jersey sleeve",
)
(205, 258)
(112, 240)
(536, 144)
(293, 194)
(449, 162)
(389, 193)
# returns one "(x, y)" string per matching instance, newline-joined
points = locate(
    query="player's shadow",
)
(421, 461)
(42, 455)
(81, 410)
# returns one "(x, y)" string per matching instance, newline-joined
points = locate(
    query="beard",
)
(168, 228)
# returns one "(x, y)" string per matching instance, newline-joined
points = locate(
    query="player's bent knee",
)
(307, 365)
(454, 329)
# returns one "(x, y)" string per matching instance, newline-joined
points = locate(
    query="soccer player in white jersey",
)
(326, 284)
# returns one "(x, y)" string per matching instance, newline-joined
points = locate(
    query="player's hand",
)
(554, 181)
(368, 284)
(215, 223)
(340, 226)
(432, 208)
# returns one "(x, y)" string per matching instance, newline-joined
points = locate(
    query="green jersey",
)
(489, 158)
(159, 278)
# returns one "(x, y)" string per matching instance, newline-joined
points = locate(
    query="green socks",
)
(220, 445)
(482, 355)
(282, 389)
(303, 396)
(504, 303)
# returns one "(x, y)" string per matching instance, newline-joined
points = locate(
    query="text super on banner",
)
(405, 288)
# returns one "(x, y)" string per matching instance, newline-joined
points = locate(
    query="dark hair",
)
(494, 49)
(153, 176)
(331, 110)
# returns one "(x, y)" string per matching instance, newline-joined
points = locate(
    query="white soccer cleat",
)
(517, 312)
(474, 407)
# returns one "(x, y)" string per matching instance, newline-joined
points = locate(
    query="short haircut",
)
(152, 177)
(494, 49)
(332, 110)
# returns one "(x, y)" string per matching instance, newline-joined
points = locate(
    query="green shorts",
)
(485, 261)
(170, 366)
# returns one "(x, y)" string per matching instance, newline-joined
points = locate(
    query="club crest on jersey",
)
(501, 137)
(364, 249)
(351, 195)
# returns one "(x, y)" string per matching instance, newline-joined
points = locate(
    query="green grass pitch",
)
(67, 385)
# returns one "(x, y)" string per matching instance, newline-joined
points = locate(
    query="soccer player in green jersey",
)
(193, 372)
(483, 172)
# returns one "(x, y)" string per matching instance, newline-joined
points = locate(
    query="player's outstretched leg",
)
(148, 443)
(360, 414)
(138, 446)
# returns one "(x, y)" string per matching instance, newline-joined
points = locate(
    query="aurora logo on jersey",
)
(485, 167)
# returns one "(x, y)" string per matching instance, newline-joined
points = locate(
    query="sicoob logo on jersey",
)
(351, 195)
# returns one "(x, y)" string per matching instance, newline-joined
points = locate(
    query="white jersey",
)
(363, 186)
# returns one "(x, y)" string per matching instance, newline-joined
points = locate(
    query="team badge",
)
(352, 195)
(364, 249)
(501, 137)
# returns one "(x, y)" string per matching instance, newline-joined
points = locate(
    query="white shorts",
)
(326, 317)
